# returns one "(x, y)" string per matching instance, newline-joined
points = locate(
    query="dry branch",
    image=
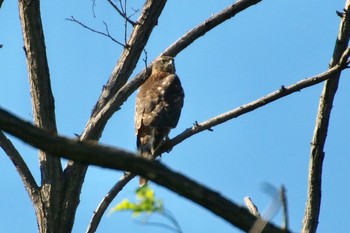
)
(278, 94)
(21, 167)
(107, 111)
(91, 153)
(48, 204)
(131, 54)
(208, 25)
(102, 113)
(148, 19)
(106, 34)
(312, 209)
(108, 198)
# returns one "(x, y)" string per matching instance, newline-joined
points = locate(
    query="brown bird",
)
(158, 107)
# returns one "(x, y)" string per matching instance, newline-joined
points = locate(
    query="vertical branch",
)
(312, 210)
(43, 110)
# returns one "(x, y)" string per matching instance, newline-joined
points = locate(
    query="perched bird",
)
(158, 107)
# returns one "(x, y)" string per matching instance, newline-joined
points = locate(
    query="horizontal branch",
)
(108, 157)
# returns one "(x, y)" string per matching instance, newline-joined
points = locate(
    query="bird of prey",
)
(158, 107)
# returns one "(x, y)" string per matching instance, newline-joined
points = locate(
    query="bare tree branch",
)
(130, 56)
(207, 25)
(48, 209)
(108, 157)
(122, 94)
(282, 92)
(107, 112)
(312, 209)
(181, 44)
(106, 201)
(21, 166)
(106, 34)
(122, 13)
(148, 19)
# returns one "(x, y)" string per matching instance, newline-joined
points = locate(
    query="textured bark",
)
(317, 154)
(47, 202)
(91, 153)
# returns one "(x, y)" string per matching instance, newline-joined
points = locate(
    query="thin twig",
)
(106, 34)
(122, 13)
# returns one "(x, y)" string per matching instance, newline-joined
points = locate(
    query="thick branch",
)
(90, 153)
(48, 212)
(313, 204)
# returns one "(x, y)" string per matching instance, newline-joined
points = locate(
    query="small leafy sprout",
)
(146, 203)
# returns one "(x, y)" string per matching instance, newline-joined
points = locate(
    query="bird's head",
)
(165, 64)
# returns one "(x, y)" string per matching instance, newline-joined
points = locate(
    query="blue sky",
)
(271, 44)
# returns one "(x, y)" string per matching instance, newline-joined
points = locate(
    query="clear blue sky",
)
(271, 44)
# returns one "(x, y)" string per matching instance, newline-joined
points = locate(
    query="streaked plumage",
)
(158, 107)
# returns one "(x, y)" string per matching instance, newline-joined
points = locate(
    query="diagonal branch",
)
(278, 94)
(121, 13)
(313, 204)
(122, 95)
(117, 99)
(131, 54)
(114, 158)
(106, 201)
(21, 166)
(102, 116)
(208, 25)
(107, 112)
(148, 19)
(106, 34)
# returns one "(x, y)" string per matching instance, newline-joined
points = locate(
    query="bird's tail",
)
(144, 145)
